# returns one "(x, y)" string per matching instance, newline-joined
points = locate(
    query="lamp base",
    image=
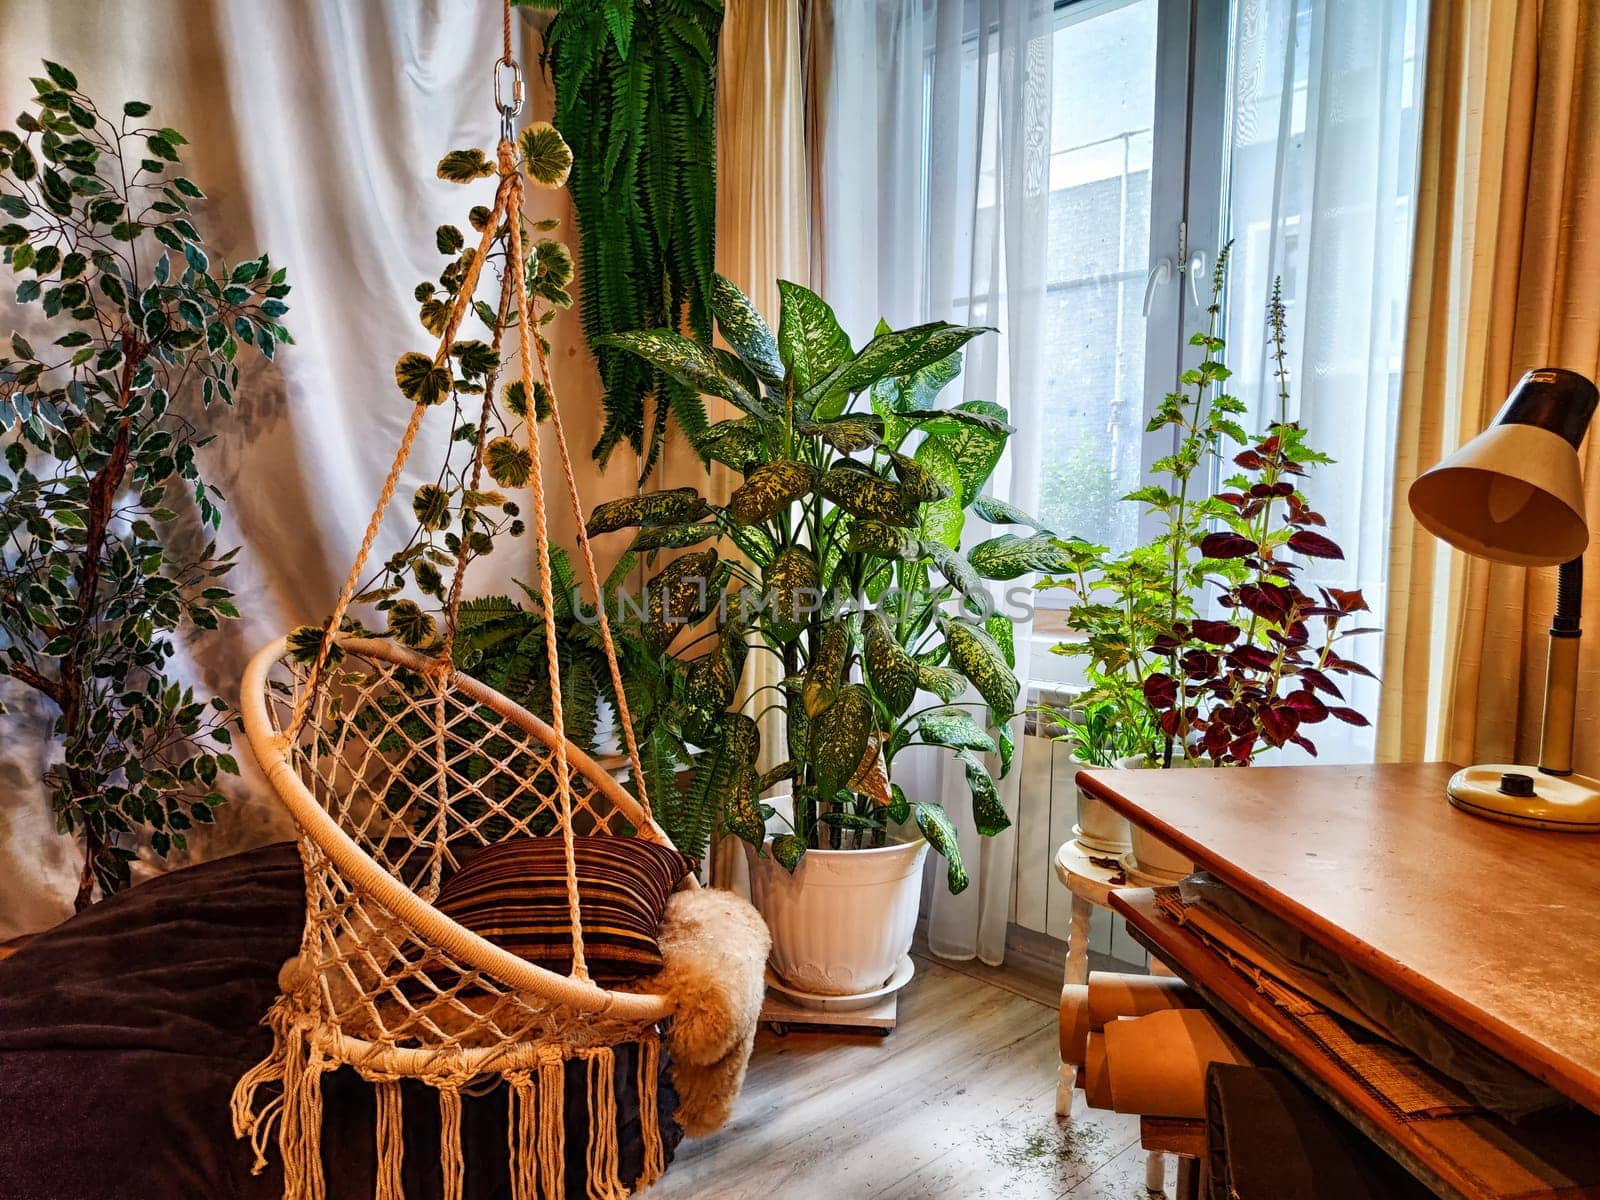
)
(1569, 803)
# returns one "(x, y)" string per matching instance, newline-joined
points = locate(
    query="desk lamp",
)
(1514, 494)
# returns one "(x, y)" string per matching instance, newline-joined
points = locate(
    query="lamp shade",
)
(1514, 493)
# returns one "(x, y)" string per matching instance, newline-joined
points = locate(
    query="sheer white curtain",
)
(935, 156)
(1323, 120)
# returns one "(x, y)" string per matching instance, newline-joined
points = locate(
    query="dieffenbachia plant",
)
(104, 516)
(845, 565)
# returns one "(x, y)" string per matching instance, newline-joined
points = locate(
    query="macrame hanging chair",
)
(394, 765)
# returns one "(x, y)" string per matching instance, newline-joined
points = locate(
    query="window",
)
(1289, 127)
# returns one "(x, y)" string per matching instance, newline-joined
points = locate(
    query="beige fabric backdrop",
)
(1506, 278)
(314, 127)
(763, 235)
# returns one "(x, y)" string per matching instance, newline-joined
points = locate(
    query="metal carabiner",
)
(508, 109)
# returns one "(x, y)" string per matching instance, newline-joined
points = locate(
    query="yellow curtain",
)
(763, 231)
(1506, 278)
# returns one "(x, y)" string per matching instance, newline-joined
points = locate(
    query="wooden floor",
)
(958, 1102)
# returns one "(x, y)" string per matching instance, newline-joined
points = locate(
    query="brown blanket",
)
(123, 1031)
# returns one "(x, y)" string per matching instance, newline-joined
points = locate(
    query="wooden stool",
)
(1184, 1138)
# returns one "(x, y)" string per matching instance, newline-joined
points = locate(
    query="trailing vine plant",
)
(99, 574)
(636, 79)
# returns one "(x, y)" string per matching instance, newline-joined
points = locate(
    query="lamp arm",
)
(1561, 673)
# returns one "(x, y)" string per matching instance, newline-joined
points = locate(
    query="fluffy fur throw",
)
(715, 947)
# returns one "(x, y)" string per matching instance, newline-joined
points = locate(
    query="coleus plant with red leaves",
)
(1266, 670)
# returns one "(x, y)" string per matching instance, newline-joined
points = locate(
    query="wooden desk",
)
(1493, 928)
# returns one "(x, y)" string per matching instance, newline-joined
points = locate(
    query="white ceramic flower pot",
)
(844, 920)
(1151, 856)
(1099, 827)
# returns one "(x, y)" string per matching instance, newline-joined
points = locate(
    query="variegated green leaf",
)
(810, 340)
(988, 813)
(940, 831)
(686, 360)
(791, 592)
(983, 663)
(882, 541)
(840, 735)
(725, 777)
(713, 679)
(769, 489)
(923, 483)
(673, 537)
(892, 671)
(943, 520)
(778, 774)
(1008, 747)
(797, 720)
(1008, 556)
(897, 352)
(463, 166)
(410, 624)
(788, 850)
(999, 627)
(974, 448)
(941, 422)
(826, 670)
(510, 464)
(941, 681)
(956, 569)
(546, 157)
(679, 506)
(899, 810)
(863, 494)
(736, 443)
(955, 728)
(432, 506)
(998, 512)
(746, 330)
(420, 381)
(680, 596)
(847, 435)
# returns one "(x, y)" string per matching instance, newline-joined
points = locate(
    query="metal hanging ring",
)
(507, 74)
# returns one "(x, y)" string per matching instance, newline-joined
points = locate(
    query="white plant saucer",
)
(850, 1003)
(1139, 873)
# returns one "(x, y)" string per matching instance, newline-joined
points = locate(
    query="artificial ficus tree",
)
(101, 493)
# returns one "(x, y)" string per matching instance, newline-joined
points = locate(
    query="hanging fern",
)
(635, 84)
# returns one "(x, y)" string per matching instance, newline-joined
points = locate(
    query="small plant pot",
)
(1151, 856)
(1099, 826)
(843, 921)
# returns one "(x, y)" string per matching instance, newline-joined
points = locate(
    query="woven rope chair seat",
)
(405, 770)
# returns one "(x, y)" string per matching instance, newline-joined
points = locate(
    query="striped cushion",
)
(514, 893)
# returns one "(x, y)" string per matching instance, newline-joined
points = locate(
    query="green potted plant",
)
(105, 520)
(845, 569)
(1261, 671)
(1114, 616)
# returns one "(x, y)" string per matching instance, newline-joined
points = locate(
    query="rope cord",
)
(624, 717)
(526, 335)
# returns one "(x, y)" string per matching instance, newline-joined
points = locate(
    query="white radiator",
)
(1046, 813)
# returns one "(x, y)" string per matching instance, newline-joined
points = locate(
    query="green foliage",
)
(105, 518)
(855, 487)
(1165, 679)
(637, 81)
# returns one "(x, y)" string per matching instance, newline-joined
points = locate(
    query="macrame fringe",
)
(452, 1167)
(605, 1181)
(655, 1151)
(391, 1141)
(535, 1130)
(297, 1065)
